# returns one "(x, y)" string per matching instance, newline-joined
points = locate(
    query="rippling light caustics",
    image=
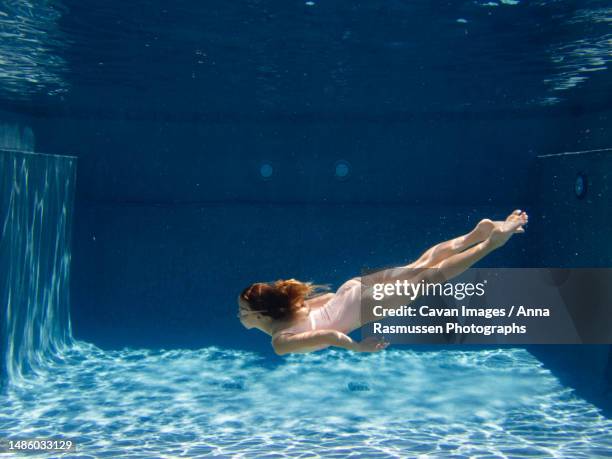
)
(36, 196)
(576, 60)
(30, 47)
(215, 402)
(225, 403)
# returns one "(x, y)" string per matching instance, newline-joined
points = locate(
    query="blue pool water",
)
(156, 158)
(219, 403)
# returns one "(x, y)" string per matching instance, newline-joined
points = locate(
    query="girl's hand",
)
(372, 344)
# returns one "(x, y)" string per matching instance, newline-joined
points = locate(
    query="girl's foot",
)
(485, 226)
(502, 231)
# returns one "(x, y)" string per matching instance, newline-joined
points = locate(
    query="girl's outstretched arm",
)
(319, 339)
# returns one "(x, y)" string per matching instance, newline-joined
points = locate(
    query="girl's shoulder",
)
(319, 300)
(294, 326)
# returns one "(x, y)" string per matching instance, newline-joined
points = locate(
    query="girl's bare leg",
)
(449, 267)
(443, 250)
(499, 235)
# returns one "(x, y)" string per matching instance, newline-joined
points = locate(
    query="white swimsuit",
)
(342, 312)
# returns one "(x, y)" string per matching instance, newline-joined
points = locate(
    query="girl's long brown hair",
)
(281, 299)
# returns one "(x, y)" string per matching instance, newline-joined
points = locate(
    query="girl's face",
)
(248, 317)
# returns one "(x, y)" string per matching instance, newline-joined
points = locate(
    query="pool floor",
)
(223, 403)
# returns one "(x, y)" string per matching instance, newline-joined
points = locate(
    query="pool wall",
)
(173, 216)
(36, 195)
(574, 230)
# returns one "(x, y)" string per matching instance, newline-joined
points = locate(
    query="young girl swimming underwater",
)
(300, 322)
